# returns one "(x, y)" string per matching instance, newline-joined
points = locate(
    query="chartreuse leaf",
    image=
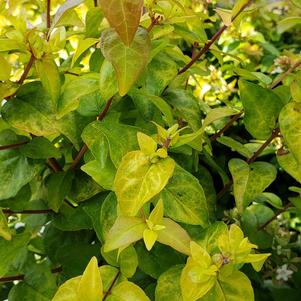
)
(90, 285)
(82, 46)
(250, 180)
(290, 127)
(127, 291)
(5, 69)
(295, 87)
(287, 23)
(199, 274)
(236, 287)
(73, 91)
(238, 249)
(86, 287)
(289, 163)
(4, 229)
(128, 61)
(262, 107)
(124, 16)
(107, 80)
(138, 180)
(11, 250)
(50, 77)
(168, 287)
(239, 4)
(184, 199)
(147, 144)
(124, 232)
(174, 236)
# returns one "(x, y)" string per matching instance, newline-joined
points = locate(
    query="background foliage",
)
(134, 160)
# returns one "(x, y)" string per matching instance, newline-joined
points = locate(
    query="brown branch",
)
(208, 44)
(280, 211)
(42, 211)
(13, 146)
(275, 134)
(95, 3)
(26, 70)
(285, 74)
(48, 19)
(108, 292)
(55, 166)
(84, 148)
(154, 21)
(226, 127)
(22, 276)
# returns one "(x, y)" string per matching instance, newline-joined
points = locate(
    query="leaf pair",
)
(92, 284)
(127, 230)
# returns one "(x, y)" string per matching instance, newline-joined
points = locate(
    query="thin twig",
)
(226, 127)
(13, 146)
(22, 276)
(55, 166)
(280, 211)
(208, 44)
(285, 74)
(26, 70)
(95, 3)
(84, 148)
(42, 211)
(154, 21)
(48, 20)
(108, 292)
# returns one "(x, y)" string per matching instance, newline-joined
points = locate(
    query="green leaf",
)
(239, 4)
(40, 148)
(94, 18)
(184, 199)
(127, 291)
(128, 261)
(128, 61)
(15, 172)
(250, 180)
(68, 290)
(50, 77)
(23, 291)
(235, 287)
(64, 8)
(90, 285)
(4, 229)
(123, 16)
(287, 23)
(138, 180)
(11, 45)
(5, 69)
(73, 91)
(124, 232)
(295, 88)
(235, 146)
(186, 105)
(174, 236)
(120, 138)
(11, 250)
(290, 127)
(82, 46)
(107, 80)
(262, 107)
(168, 287)
(59, 185)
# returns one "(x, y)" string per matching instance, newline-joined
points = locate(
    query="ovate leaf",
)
(124, 16)
(138, 180)
(290, 126)
(125, 231)
(184, 199)
(4, 229)
(128, 61)
(250, 180)
(50, 77)
(5, 69)
(127, 291)
(235, 287)
(262, 107)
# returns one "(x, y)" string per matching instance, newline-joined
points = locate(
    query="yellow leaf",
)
(90, 287)
(149, 238)
(156, 215)
(147, 144)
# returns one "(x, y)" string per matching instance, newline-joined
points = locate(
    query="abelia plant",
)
(150, 150)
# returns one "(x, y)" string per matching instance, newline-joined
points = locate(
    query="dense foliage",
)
(150, 150)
